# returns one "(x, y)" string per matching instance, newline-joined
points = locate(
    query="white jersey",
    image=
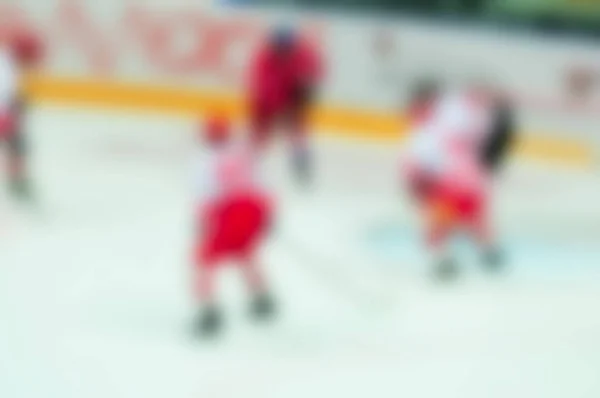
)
(225, 172)
(9, 80)
(455, 132)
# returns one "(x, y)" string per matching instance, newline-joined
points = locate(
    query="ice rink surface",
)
(95, 296)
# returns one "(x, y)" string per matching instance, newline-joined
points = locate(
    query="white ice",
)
(95, 296)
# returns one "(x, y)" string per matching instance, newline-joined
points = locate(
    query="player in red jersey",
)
(284, 76)
(19, 53)
(233, 215)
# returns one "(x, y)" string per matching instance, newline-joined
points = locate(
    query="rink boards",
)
(187, 57)
(370, 125)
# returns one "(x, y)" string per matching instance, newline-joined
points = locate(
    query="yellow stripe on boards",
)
(356, 123)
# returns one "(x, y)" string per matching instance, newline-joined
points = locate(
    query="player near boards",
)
(285, 74)
(234, 211)
(20, 52)
(460, 139)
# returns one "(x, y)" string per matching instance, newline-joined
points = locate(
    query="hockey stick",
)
(366, 295)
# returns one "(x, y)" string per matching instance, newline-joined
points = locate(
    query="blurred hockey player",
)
(19, 53)
(234, 211)
(285, 75)
(449, 168)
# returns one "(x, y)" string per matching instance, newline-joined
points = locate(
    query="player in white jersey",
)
(445, 173)
(19, 52)
(233, 216)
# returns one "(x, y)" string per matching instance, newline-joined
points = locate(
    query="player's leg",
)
(254, 221)
(442, 223)
(261, 125)
(19, 179)
(208, 251)
(437, 212)
(302, 159)
(262, 304)
(20, 185)
(479, 224)
(209, 320)
(444, 265)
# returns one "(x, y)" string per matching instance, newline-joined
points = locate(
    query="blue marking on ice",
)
(402, 245)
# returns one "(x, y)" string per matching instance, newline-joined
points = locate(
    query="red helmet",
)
(217, 130)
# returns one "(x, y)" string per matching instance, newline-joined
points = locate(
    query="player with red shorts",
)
(445, 174)
(234, 213)
(20, 51)
(284, 76)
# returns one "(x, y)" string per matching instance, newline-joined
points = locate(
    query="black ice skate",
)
(262, 307)
(304, 177)
(446, 271)
(21, 190)
(493, 260)
(209, 322)
(302, 169)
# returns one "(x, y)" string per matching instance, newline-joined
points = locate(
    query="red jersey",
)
(274, 77)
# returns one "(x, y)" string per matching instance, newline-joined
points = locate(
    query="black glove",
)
(501, 138)
(303, 95)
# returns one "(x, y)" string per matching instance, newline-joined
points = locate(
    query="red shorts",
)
(447, 200)
(458, 207)
(233, 229)
(449, 209)
(264, 120)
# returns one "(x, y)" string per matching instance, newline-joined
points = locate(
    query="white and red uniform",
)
(9, 86)
(233, 206)
(443, 161)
